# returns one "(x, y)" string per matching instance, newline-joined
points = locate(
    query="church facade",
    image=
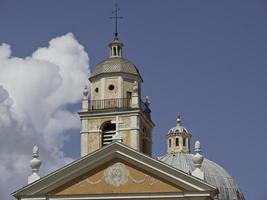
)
(116, 149)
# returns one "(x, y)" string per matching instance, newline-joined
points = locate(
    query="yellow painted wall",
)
(94, 182)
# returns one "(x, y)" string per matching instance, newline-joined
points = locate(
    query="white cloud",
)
(34, 92)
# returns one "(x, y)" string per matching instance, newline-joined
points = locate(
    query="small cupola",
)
(178, 138)
(115, 48)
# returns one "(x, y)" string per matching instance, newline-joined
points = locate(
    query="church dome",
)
(115, 65)
(214, 174)
(178, 129)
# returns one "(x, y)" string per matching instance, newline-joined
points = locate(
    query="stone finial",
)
(35, 165)
(178, 120)
(147, 101)
(85, 91)
(197, 147)
(135, 96)
(85, 103)
(198, 160)
(135, 88)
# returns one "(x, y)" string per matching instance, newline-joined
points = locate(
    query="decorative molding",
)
(107, 153)
(117, 175)
(199, 195)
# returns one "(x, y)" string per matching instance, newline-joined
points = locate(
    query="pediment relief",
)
(116, 177)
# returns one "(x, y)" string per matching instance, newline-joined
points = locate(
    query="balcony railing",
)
(110, 104)
(117, 104)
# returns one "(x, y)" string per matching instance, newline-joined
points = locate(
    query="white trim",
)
(163, 172)
(107, 153)
(121, 129)
(143, 196)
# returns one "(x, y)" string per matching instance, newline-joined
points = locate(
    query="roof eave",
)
(114, 150)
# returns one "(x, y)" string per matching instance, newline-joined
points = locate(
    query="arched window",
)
(119, 51)
(108, 131)
(177, 141)
(170, 142)
(184, 142)
(114, 51)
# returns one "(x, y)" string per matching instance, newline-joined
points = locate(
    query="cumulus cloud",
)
(35, 93)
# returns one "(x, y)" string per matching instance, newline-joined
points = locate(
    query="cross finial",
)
(116, 17)
(117, 136)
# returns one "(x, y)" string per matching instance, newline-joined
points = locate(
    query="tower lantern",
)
(178, 138)
(115, 48)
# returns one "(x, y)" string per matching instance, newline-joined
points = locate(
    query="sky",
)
(205, 60)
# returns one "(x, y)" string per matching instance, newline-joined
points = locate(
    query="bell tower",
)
(114, 109)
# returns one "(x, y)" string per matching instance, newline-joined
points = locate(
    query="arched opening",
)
(170, 142)
(176, 141)
(184, 142)
(114, 51)
(108, 130)
(119, 51)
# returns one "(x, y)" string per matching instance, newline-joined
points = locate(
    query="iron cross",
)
(116, 17)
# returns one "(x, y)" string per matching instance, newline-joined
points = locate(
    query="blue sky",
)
(203, 59)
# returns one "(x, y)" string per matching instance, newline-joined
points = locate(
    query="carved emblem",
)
(116, 175)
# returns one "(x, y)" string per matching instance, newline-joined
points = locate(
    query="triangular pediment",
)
(115, 169)
(115, 177)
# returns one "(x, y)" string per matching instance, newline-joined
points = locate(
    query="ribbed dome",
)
(115, 65)
(213, 173)
(178, 129)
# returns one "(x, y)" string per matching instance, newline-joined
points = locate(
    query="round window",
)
(111, 87)
(96, 90)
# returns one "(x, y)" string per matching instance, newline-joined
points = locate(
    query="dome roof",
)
(115, 65)
(178, 129)
(213, 173)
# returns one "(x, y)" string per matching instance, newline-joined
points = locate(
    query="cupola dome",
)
(115, 64)
(181, 158)
(178, 138)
